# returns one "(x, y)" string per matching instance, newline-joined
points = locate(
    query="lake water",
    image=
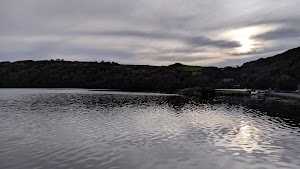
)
(77, 128)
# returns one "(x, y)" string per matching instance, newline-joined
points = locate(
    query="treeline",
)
(104, 75)
(281, 71)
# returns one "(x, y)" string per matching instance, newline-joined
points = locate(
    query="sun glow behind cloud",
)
(247, 45)
(244, 37)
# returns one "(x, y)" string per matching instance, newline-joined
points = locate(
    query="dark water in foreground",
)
(100, 129)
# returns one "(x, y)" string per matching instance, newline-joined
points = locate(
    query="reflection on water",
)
(246, 137)
(101, 129)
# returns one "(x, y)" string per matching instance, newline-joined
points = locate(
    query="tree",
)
(286, 82)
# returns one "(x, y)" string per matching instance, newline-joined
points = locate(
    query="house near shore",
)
(226, 80)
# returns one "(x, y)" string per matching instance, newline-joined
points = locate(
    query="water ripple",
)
(101, 129)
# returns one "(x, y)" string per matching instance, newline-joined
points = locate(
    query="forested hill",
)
(281, 71)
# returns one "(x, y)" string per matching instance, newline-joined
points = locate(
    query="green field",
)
(195, 70)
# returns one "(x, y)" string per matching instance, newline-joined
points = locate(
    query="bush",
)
(203, 92)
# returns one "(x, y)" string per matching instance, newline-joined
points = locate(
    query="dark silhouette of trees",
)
(281, 71)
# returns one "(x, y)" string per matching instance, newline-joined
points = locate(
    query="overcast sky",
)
(156, 32)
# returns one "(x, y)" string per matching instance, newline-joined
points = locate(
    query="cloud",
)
(131, 33)
(282, 33)
(183, 58)
(203, 41)
(189, 39)
(146, 31)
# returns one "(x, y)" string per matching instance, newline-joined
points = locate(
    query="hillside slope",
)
(281, 71)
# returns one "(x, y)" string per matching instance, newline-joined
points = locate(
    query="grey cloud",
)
(279, 34)
(183, 58)
(188, 39)
(203, 41)
(187, 50)
(131, 33)
(46, 50)
(102, 53)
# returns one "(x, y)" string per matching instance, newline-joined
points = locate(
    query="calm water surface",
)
(63, 128)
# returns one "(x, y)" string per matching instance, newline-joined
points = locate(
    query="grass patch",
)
(195, 70)
(232, 91)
